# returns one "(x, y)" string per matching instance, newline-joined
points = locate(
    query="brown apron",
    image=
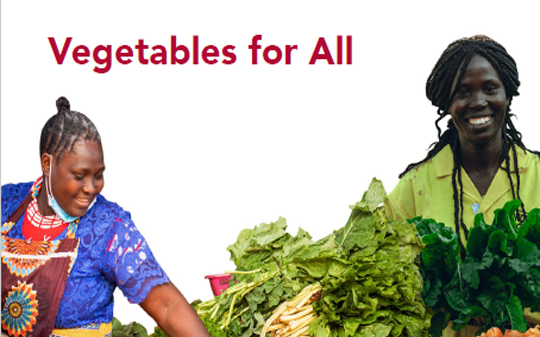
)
(34, 275)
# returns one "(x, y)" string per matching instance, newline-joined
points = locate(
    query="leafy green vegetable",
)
(160, 333)
(493, 282)
(133, 329)
(213, 329)
(368, 270)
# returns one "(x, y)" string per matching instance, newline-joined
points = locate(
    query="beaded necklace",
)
(37, 226)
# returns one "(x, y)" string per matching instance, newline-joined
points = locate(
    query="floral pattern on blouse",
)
(112, 253)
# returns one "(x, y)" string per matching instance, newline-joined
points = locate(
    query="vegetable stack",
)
(368, 273)
(494, 282)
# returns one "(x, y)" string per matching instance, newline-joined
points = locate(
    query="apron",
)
(34, 276)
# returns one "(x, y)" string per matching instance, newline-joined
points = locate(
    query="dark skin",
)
(76, 179)
(478, 112)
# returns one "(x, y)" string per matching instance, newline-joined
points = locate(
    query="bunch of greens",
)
(368, 270)
(132, 329)
(373, 287)
(263, 279)
(498, 277)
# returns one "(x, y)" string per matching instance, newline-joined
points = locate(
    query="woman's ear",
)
(46, 164)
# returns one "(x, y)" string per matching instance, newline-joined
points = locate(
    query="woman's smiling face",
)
(480, 104)
(78, 178)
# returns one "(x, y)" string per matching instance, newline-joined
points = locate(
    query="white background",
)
(199, 152)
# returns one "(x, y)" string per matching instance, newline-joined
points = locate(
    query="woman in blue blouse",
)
(65, 248)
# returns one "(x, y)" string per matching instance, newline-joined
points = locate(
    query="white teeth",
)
(479, 121)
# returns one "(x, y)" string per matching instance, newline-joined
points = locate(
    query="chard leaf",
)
(317, 268)
(511, 207)
(498, 241)
(319, 327)
(469, 272)
(531, 227)
(275, 295)
(526, 255)
(477, 241)
(493, 295)
(530, 281)
(515, 311)
(432, 290)
(255, 297)
(442, 247)
(373, 197)
(358, 231)
(487, 260)
(376, 330)
(505, 221)
(339, 268)
(456, 295)
(413, 326)
(259, 318)
(439, 322)
(350, 325)
(254, 246)
(479, 220)
(466, 315)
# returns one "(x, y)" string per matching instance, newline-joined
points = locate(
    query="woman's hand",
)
(168, 307)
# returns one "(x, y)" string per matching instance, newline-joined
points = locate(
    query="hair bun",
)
(62, 104)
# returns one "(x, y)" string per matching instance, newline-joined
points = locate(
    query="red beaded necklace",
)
(37, 226)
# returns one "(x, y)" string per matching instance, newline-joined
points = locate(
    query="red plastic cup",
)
(219, 282)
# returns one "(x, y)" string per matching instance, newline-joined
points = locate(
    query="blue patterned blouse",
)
(112, 253)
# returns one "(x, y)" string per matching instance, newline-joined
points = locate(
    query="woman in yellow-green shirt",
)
(479, 162)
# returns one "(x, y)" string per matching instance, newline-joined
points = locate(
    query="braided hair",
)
(64, 129)
(439, 90)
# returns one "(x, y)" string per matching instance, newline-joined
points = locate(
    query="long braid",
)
(456, 179)
(64, 129)
(440, 90)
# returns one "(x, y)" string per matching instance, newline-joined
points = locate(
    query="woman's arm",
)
(168, 307)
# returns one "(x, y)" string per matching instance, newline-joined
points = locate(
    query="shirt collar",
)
(444, 161)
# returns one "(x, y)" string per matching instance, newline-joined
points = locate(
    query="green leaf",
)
(457, 296)
(505, 221)
(254, 246)
(373, 197)
(497, 242)
(469, 273)
(526, 255)
(432, 290)
(439, 322)
(493, 296)
(530, 224)
(478, 240)
(515, 311)
(487, 260)
(350, 324)
(530, 281)
(319, 327)
(358, 231)
(466, 315)
(376, 330)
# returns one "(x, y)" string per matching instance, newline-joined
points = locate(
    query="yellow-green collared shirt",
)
(427, 190)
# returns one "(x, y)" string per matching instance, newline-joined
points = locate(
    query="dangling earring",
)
(36, 188)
